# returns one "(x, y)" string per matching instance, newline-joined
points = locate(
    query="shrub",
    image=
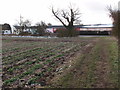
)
(115, 15)
(62, 32)
(24, 33)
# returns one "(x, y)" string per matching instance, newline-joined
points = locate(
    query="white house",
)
(6, 32)
(18, 29)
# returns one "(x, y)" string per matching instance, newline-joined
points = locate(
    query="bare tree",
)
(23, 23)
(27, 23)
(67, 18)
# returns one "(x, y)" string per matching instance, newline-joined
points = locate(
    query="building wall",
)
(95, 29)
(0, 29)
(7, 32)
(84, 29)
(50, 30)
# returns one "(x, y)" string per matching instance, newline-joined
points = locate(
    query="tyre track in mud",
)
(92, 70)
(78, 71)
(102, 72)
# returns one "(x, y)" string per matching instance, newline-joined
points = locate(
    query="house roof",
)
(19, 27)
(85, 26)
(61, 26)
(77, 26)
(99, 26)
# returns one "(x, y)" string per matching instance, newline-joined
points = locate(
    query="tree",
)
(27, 23)
(68, 18)
(23, 23)
(49, 24)
(41, 27)
(115, 15)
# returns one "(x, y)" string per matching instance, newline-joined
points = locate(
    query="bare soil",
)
(76, 63)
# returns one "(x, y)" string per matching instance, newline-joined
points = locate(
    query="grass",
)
(113, 56)
(84, 73)
(70, 79)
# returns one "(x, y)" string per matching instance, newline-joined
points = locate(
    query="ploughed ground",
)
(84, 62)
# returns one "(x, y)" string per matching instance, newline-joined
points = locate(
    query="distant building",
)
(30, 29)
(53, 28)
(5, 29)
(0, 29)
(95, 29)
(101, 29)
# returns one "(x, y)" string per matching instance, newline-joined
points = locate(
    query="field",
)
(78, 62)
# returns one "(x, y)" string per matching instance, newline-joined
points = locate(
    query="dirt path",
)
(102, 68)
(76, 75)
(104, 75)
(91, 70)
(0, 76)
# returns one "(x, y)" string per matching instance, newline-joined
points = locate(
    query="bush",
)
(24, 33)
(115, 15)
(62, 32)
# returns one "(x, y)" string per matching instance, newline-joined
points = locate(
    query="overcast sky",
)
(92, 11)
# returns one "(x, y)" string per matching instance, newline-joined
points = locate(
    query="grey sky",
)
(93, 11)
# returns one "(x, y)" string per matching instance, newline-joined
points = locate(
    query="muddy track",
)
(102, 70)
(77, 72)
(92, 70)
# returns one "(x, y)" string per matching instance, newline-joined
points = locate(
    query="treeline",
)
(39, 29)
